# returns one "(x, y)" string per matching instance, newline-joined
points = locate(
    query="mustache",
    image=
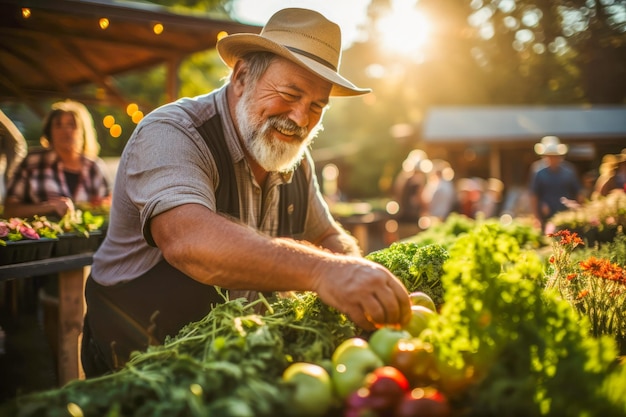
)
(286, 125)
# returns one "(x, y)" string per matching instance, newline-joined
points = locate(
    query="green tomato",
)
(313, 389)
(384, 340)
(351, 343)
(419, 298)
(351, 365)
(420, 316)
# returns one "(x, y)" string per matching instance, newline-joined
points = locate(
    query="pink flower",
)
(28, 232)
(4, 229)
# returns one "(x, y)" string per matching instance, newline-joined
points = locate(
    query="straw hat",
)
(550, 145)
(302, 36)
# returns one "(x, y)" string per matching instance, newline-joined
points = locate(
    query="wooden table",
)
(73, 271)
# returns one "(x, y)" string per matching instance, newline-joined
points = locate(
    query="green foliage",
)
(200, 73)
(446, 233)
(520, 347)
(418, 267)
(230, 363)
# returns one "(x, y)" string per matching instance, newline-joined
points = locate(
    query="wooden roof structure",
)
(50, 47)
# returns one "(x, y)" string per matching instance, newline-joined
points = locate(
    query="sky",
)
(348, 14)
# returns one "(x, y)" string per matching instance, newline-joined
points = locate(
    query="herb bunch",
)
(230, 363)
(419, 267)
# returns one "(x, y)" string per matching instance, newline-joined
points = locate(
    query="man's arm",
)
(217, 251)
(339, 241)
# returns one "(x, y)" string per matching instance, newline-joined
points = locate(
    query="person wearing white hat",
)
(218, 193)
(555, 186)
(540, 148)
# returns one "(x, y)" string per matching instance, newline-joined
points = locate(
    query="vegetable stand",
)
(72, 270)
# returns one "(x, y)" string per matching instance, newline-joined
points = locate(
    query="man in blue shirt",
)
(555, 186)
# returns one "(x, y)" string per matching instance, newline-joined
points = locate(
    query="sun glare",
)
(404, 30)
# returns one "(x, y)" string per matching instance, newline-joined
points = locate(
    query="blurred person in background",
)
(13, 149)
(470, 195)
(408, 187)
(554, 188)
(50, 181)
(588, 180)
(439, 194)
(491, 202)
(612, 175)
(607, 169)
(543, 162)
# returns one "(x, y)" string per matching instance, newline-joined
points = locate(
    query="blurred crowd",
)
(427, 189)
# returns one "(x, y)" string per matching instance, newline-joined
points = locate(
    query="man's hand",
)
(366, 291)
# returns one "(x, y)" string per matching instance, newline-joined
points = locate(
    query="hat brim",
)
(233, 47)
(550, 150)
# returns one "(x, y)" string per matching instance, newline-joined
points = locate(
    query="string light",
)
(131, 109)
(108, 121)
(104, 23)
(115, 130)
(137, 116)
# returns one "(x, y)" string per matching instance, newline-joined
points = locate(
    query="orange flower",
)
(603, 268)
(582, 294)
(570, 277)
(568, 238)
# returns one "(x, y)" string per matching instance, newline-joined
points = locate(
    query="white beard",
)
(272, 154)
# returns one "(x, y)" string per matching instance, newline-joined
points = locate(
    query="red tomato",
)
(385, 387)
(427, 402)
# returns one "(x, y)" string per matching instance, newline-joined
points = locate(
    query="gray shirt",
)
(166, 164)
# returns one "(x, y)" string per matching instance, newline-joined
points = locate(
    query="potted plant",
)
(81, 231)
(23, 241)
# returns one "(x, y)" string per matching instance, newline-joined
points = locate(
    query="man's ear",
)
(238, 78)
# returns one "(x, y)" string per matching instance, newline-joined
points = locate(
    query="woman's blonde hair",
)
(91, 147)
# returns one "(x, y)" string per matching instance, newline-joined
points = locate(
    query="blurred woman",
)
(67, 171)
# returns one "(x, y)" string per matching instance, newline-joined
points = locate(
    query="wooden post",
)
(71, 313)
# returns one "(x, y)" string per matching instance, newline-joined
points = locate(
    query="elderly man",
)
(219, 191)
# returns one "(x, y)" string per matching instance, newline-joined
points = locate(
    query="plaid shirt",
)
(41, 176)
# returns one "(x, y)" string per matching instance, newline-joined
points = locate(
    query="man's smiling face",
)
(280, 114)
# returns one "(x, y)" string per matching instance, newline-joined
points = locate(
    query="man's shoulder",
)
(195, 110)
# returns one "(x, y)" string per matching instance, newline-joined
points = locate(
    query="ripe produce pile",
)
(498, 345)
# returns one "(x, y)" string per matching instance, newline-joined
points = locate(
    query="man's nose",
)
(300, 114)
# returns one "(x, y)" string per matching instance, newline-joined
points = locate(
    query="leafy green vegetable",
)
(523, 351)
(230, 363)
(418, 267)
